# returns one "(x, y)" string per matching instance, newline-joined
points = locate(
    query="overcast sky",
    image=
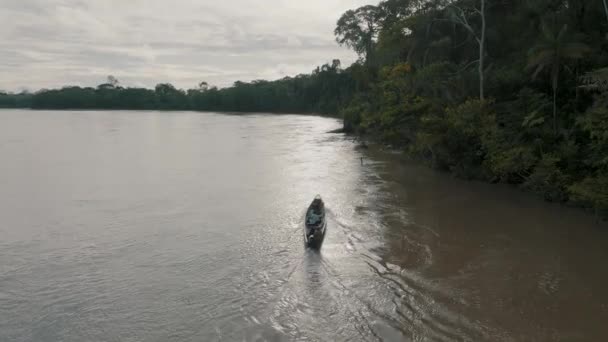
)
(51, 43)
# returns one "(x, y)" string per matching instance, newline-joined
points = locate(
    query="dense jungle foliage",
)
(504, 91)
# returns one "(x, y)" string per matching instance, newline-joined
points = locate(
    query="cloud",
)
(51, 43)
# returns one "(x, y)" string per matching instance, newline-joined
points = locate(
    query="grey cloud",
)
(50, 43)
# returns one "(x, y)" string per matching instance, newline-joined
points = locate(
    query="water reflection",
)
(312, 271)
(489, 262)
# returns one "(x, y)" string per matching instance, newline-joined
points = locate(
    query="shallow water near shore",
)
(183, 226)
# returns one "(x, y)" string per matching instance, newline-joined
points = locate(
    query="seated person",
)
(313, 217)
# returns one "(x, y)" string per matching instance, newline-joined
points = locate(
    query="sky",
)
(53, 43)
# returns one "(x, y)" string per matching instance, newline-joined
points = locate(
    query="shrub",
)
(591, 192)
(468, 126)
(548, 180)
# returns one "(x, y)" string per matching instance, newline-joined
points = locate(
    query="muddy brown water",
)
(181, 226)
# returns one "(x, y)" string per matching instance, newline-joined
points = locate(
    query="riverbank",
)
(408, 155)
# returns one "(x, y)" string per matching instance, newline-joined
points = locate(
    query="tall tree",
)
(394, 10)
(113, 81)
(358, 29)
(459, 16)
(551, 52)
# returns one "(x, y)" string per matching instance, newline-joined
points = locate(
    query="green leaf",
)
(533, 119)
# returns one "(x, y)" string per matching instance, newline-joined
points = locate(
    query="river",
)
(182, 226)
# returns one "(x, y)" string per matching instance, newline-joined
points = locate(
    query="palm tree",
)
(551, 52)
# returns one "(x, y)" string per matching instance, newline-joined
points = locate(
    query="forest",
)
(502, 91)
(323, 91)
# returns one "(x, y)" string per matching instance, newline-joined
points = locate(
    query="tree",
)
(459, 17)
(394, 10)
(358, 29)
(336, 64)
(169, 97)
(550, 52)
(113, 81)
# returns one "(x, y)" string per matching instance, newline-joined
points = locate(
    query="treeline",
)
(323, 91)
(20, 100)
(504, 91)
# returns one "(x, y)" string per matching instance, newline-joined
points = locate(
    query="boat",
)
(315, 223)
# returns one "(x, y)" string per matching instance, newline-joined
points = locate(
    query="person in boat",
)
(314, 216)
